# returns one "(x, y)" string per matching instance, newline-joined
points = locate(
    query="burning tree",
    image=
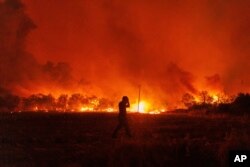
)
(75, 101)
(105, 104)
(62, 102)
(39, 102)
(79, 102)
(205, 98)
(188, 100)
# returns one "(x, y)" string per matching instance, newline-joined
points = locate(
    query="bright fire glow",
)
(85, 104)
(110, 110)
(215, 98)
(154, 112)
(143, 107)
(83, 109)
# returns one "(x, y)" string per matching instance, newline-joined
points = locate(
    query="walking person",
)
(122, 117)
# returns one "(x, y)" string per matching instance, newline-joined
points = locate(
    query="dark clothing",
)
(122, 124)
(122, 111)
(122, 118)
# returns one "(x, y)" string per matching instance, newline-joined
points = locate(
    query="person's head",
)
(125, 99)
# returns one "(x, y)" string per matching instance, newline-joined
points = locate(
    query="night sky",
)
(109, 47)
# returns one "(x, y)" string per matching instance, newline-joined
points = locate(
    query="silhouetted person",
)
(122, 117)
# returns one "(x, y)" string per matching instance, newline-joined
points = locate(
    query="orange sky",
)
(170, 47)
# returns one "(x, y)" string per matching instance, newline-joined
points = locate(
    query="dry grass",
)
(85, 140)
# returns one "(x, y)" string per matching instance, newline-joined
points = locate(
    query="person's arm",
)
(128, 104)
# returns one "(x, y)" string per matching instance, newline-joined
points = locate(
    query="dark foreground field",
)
(42, 139)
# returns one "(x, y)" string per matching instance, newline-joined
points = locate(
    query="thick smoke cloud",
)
(20, 71)
(169, 47)
(15, 61)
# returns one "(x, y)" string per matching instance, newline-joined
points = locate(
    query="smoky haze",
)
(20, 72)
(109, 48)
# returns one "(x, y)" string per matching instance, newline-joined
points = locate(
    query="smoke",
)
(111, 47)
(214, 83)
(16, 63)
(20, 71)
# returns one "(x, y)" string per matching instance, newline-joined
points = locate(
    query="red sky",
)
(165, 45)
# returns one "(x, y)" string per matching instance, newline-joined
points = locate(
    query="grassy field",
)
(84, 139)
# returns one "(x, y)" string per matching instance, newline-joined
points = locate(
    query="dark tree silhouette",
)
(39, 102)
(188, 100)
(205, 97)
(75, 101)
(62, 102)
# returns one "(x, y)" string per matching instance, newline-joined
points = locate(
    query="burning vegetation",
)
(78, 102)
(105, 50)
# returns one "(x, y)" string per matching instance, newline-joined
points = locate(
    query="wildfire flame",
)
(86, 109)
(78, 102)
(145, 107)
(215, 98)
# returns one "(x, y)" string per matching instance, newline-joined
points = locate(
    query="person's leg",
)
(119, 126)
(128, 132)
